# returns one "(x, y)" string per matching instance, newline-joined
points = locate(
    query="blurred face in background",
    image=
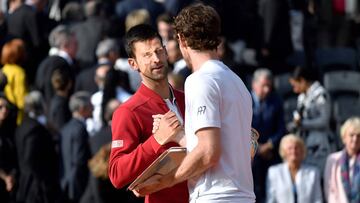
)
(173, 51)
(299, 85)
(262, 87)
(166, 31)
(293, 152)
(351, 139)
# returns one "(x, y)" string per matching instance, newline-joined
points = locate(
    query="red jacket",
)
(134, 148)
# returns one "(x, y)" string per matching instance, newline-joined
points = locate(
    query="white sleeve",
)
(203, 98)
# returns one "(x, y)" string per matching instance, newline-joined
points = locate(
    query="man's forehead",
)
(150, 44)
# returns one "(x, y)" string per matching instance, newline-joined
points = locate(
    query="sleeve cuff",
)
(155, 146)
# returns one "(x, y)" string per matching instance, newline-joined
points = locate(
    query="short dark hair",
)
(305, 73)
(165, 17)
(139, 33)
(200, 25)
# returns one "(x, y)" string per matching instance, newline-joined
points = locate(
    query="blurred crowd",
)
(64, 71)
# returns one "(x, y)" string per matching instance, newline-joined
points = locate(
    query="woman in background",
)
(293, 181)
(312, 117)
(342, 171)
(12, 55)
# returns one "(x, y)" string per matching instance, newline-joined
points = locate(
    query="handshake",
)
(167, 128)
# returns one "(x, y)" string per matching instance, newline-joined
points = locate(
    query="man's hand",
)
(265, 150)
(166, 128)
(155, 183)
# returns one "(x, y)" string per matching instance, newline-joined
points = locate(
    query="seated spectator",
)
(293, 181)
(37, 158)
(13, 54)
(312, 117)
(342, 171)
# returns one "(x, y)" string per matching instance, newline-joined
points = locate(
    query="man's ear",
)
(181, 40)
(133, 64)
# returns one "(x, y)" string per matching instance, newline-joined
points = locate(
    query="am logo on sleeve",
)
(201, 110)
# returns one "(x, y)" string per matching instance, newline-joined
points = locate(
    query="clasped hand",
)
(166, 128)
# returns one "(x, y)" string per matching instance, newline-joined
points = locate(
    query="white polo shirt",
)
(217, 97)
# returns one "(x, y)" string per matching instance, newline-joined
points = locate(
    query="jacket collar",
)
(150, 94)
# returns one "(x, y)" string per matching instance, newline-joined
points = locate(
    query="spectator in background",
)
(12, 56)
(59, 113)
(268, 120)
(125, 7)
(7, 149)
(177, 81)
(117, 86)
(66, 43)
(74, 148)
(95, 123)
(165, 28)
(312, 117)
(107, 52)
(90, 32)
(72, 13)
(277, 45)
(100, 188)
(176, 59)
(136, 17)
(342, 171)
(22, 23)
(293, 181)
(37, 159)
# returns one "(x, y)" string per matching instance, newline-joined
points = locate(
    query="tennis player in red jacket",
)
(134, 146)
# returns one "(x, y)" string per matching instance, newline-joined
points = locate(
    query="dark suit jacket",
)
(100, 139)
(59, 112)
(22, 23)
(85, 80)
(89, 34)
(44, 72)
(75, 153)
(38, 163)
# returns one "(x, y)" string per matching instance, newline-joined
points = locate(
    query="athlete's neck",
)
(160, 87)
(198, 58)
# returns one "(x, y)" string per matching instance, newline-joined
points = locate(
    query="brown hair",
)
(200, 26)
(13, 52)
(98, 164)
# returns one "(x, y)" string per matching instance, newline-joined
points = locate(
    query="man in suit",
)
(107, 52)
(268, 119)
(66, 43)
(37, 158)
(74, 148)
(90, 32)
